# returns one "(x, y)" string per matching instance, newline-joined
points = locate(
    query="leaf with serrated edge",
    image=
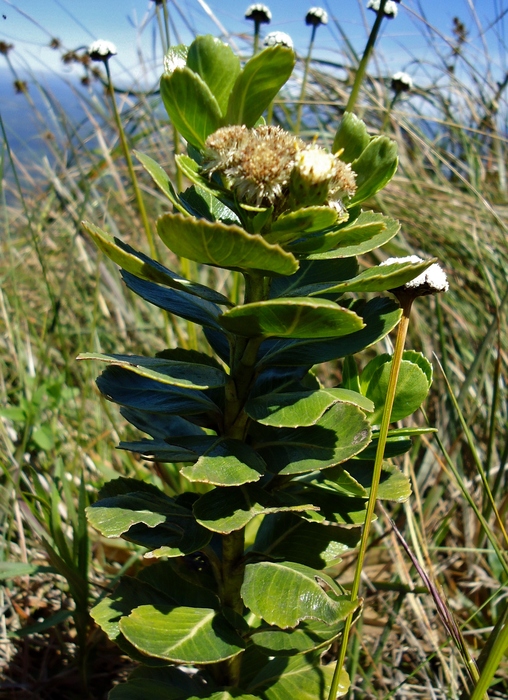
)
(294, 409)
(223, 246)
(265, 592)
(164, 371)
(181, 634)
(294, 317)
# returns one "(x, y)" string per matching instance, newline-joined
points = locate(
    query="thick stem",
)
(407, 302)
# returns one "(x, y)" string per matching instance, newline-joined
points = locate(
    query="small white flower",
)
(429, 282)
(315, 164)
(259, 13)
(278, 39)
(172, 61)
(316, 16)
(390, 10)
(101, 50)
(402, 82)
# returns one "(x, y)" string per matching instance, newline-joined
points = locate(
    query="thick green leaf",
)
(334, 506)
(380, 315)
(204, 205)
(190, 105)
(175, 57)
(181, 374)
(161, 179)
(295, 224)
(308, 636)
(339, 434)
(227, 463)
(312, 276)
(367, 232)
(393, 485)
(294, 317)
(165, 683)
(144, 267)
(230, 694)
(286, 536)
(300, 408)
(150, 519)
(216, 63)
(181, 634)
(227, 509)
(192, 171)
(380, 278)
(223, 246)
(412, 389)
(374, 168)
(419, 359)
(351, 138)
(285, 593)
(259, 82)
(299, 677)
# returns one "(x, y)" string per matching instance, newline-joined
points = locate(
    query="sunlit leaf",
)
(216, 64)
(374, 168)
(227, 463)
(351, 138)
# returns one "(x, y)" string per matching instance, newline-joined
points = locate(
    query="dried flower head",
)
(20, 87)
(278, 39)
(402, 82)
(55, 43)
(259, 13)
(432, 281)
(390, 9)
(319, 177)
(316, 16)
(5, 48)
(101, 50)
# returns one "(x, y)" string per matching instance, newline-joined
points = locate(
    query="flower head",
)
(319, 176)
(278, 39)
(432, 281)
(390, 9)
(402, 82)
(259, 13)
(316, 16)
(101, 50)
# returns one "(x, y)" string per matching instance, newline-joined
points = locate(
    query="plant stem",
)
(127, 155)
(304, 80)
(256, 37)
(407, 302)
(369, 47)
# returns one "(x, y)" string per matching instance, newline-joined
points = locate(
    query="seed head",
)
(390, 10)
(278, 39)
(102, 50)
(258, 13)
(432, 281)
(316, 16)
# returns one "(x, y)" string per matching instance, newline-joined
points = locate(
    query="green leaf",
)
(191, 106)
(216, 64)
(294, 317)
(227, 463)
(351, 138)
(225, 695)
(150, 519)
(393, 485)
(223, 246)
(166, 683)
(308, 636)
(285, 593)
(181, 634)
(144, 267)
(312, 276)
(339, 434)
(259, 82)
(379, 314)
(412, 389)
(374, 168)
(367, 232)
(299, 677)
(174, 58)
(287, 536)
(380, 278)
(161, 179)
(204, 205)
(419, 359)
(295, 224)
(334, 506)
(300, 408)
(192, 172)
(225, 510)
(180, 374)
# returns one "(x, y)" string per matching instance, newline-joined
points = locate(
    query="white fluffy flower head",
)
(316, 16)
(259, 13)
(402, 82)
(278, 39)
(432, 281)
(390, 10)
(101, 50)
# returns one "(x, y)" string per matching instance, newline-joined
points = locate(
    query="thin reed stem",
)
(304, 80)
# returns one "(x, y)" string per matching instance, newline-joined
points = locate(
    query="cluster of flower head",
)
(266, 165)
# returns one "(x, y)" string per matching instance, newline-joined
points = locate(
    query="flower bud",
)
(258, 13)
(402, 82)
(316, 16)
(101, 50)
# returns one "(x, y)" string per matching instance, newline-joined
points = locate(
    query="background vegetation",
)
(59, 297)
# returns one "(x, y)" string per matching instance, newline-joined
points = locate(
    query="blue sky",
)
(30, 24)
